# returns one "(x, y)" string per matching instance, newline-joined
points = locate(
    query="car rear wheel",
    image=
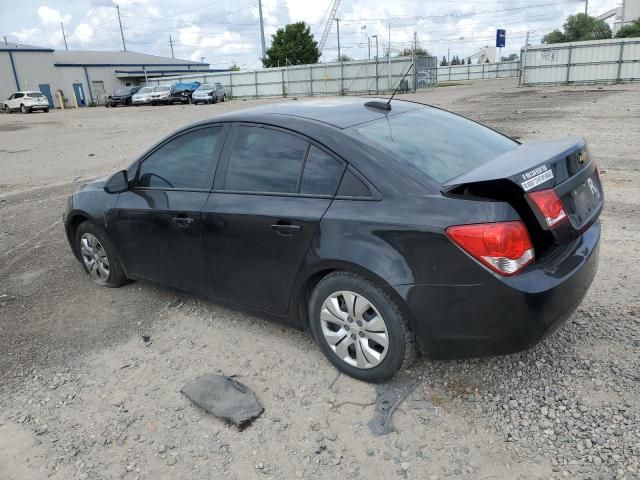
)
(25, 109)
(98, 256)
(359, 328)
(46, 110)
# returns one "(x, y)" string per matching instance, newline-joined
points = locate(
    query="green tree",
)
(468, 61)
(343, 58)
(444, 62)
(512, 57)
(293, 45)
(234, 68)
(631, 30)
(407, 52)
(578, 28)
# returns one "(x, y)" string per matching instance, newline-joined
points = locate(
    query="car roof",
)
(338, 112)
(28, 91)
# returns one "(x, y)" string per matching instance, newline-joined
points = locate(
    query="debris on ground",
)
(224, 397)
(389, 396)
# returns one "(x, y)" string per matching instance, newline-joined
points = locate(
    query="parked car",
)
(181, 92)
(384, 232)
(26, 101)
(160, 95)
(209, 93)
(142, 96)
(122, 96)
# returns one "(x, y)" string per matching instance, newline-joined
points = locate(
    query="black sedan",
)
(122, 96)
(385, 232)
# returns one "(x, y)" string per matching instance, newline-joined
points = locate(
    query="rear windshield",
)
(438, 143)
(35, 95)
(145, 90)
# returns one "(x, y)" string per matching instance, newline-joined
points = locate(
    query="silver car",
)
(160, 95)
(142, 96)
(209, 93)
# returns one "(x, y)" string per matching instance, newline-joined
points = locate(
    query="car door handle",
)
(182, 221)
(285, 229)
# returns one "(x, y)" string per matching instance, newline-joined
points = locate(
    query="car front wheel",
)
(359, 328)
(98, 256)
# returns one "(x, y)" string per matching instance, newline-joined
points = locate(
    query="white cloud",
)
(51, 16)
(82, 33)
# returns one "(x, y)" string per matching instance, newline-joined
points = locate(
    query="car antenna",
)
(387, 105)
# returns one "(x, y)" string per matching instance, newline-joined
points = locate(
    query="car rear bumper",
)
(503, 315)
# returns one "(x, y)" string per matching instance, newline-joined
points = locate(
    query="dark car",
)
(122, 96)
(209, 93)
(181, 92)
(385, 232)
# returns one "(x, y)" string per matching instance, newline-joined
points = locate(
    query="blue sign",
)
(501, 37)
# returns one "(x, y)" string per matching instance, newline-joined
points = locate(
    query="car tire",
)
(46, 110)
(24, 109)
(373, 320)
(224, 98)
(93, 246)
(214, 99)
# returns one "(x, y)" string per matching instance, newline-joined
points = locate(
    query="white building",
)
(85, 77)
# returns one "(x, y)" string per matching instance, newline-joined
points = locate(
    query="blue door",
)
(79, 91)
(46, 89)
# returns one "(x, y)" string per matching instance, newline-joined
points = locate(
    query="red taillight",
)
(549, 205)
(504, 247)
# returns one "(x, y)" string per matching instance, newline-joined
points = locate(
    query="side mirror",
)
(117, 183)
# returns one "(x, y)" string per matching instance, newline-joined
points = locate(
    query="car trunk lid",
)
(562, 165)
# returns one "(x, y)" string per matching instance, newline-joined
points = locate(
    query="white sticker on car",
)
(536, 177)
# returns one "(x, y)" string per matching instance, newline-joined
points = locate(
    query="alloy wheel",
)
(354, 329)
(95, 258)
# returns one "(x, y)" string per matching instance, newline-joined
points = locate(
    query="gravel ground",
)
(83, 396)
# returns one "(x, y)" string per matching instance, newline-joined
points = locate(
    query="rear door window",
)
(183, 162)
(438, 143)
(265, 160)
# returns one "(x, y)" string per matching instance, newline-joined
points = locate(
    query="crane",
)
(327, 27)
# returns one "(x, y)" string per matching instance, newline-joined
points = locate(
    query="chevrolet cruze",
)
(386, 229)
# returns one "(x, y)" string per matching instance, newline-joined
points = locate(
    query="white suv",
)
(26, 102)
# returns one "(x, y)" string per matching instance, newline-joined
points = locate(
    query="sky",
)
(225, 32)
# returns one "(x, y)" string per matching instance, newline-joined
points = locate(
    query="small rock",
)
(370, 451)
(162, 448)
(332, 436)
(405, 466)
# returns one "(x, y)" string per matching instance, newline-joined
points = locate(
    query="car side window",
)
(322, 173)
(182, 162)
(19, 95)
(265, 160)
(352, 186)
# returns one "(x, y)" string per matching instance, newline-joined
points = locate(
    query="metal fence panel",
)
(598, 61)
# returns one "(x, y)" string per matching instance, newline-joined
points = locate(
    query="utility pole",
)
(523, 60)
(413, 60)
(64, 37)
(261, 28)
(376, 37)
(124, 45)
(368, 47)
(448, 56)
(586, 7)
(338, 31)
(340, 58)
(389, 57)
(171, 44)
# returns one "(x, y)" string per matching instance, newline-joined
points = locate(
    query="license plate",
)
(586, 198)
